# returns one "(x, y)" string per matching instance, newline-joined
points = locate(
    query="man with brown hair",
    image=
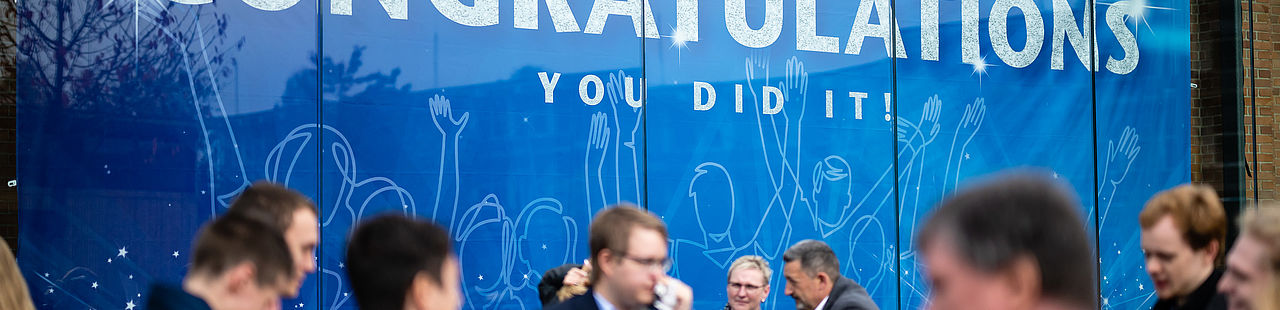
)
(629, 260)
(236, 263)
(1183, 232)
(289, 212)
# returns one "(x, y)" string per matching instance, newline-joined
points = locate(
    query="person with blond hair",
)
(1184, 230)
(13, 289)
(1252, 279)
(748, 283)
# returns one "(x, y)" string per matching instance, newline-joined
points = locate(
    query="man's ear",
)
(421, 292)
(605, 261)
(1211, 251)
(1023, 280)
(824, 280)
(240, 277)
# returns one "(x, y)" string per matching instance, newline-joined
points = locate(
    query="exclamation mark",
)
(887, 108)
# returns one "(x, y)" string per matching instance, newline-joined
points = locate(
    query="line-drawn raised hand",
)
(1121, 154)
(929, 119)
(442, 116)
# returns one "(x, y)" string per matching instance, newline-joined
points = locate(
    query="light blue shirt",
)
(604, 304)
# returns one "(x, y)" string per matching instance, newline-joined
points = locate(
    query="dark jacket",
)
(581, 302)
(169, 297)
(1204, 297)
(848, 295)
(551, 283)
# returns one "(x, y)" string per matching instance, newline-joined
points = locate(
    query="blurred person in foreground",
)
(1016, 242)
(395, 262)
(237, 263)
(1252, 279)
(13, 288)
(290, 212)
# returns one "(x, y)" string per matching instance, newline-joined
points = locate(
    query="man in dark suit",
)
(814, 281)
(629, 263)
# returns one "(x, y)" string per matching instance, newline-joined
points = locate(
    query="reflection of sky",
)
(269, 56)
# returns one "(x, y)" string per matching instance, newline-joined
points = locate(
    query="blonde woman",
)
(13, 289)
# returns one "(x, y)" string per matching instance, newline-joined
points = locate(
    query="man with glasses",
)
(748, 283)
(629, 260)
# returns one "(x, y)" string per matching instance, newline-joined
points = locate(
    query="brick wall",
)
(1262, 93)
(1206, 106)
(8, 123)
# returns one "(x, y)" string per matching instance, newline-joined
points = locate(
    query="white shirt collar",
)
(819, 307)
(604, 304)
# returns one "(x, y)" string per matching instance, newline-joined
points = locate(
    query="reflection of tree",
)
(8, 45)
(344, 83)
(107, 77)
(113, 58)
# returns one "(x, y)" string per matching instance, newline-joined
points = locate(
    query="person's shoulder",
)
(581, 302)
(166, 297)
(851, 296)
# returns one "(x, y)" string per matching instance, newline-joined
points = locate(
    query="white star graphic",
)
(175, 253)
(50, 291)
(481, 277)
(966, 155)
(129, 305)
(544, 246)
(980, 67)
(46, 275)
(130, 277)
(94, 285)
(340, 265)
(108, 260)
(1140, 287)
(526, 277)
(122, 252)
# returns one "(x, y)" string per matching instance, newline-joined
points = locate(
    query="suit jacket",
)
(581, 302)
(172, 297)
(848, 295)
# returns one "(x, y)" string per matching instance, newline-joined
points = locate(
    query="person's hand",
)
(575, 277)
(684, 294)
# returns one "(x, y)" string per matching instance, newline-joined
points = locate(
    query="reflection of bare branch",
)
(110, 58)
(8, 47)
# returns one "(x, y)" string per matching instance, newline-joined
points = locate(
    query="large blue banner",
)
(747, 125)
